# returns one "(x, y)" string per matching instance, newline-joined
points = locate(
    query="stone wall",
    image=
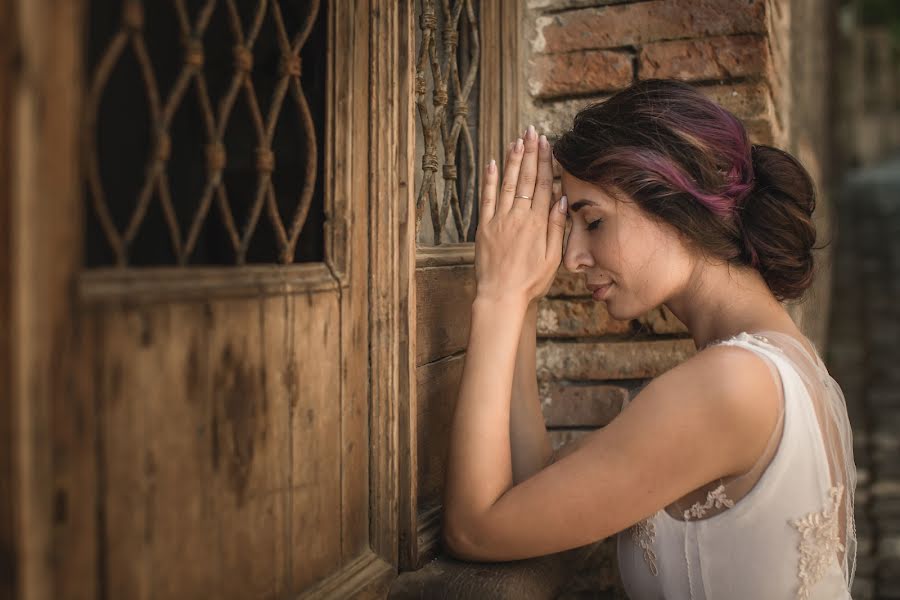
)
(768, 63)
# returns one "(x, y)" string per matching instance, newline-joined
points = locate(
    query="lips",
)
(594, 286)
(599, 291)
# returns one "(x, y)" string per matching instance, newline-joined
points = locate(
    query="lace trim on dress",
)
(819, 542)
(643, 534)
(715, 498)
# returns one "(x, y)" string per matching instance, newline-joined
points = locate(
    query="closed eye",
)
(593, 224)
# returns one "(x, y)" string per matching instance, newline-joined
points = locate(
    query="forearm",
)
(528, 435)
(479, 464)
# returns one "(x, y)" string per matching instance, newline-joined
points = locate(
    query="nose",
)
(576, 253)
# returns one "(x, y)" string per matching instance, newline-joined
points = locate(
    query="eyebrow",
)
(577, 205)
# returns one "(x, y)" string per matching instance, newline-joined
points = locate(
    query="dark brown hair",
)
(689, 162)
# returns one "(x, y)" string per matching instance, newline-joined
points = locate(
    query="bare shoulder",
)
(728, 389)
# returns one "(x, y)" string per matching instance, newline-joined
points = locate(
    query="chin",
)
(620, 313)
(615, 312)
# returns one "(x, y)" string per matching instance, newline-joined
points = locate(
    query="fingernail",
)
(519, 145)
(530, 133)
(492, 166)
(543, 142)
(563, 204)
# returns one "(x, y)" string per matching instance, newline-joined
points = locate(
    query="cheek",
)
(648, 261)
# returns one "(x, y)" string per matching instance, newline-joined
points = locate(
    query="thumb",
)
(556, 228)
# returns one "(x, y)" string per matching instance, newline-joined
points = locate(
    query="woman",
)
(730, 476)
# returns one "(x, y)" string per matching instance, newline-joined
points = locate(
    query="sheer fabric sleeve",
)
(837, 442)
(831, 529)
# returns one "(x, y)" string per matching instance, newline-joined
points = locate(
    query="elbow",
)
(457, 542)
(459, 546)
(453, 544)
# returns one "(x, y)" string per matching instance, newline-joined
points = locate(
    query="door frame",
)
(52, 535)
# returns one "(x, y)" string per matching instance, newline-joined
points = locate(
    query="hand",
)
(518, 244)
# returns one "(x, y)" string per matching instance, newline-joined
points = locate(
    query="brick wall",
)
(765, 63)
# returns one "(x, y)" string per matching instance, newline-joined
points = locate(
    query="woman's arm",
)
(530, 442)
(517, 254)
(479, 464)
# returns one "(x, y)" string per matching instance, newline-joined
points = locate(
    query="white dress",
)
(777, 532)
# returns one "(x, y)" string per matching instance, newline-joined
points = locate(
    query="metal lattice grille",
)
(446, 101)
(201, 146)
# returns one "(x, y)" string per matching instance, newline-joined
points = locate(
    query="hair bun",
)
(689, 162)
(776, 222)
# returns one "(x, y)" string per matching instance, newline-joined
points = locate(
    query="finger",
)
(528, 170)
(543, 187)
(556, 228)
(557, 192)
(510, 177)
(509, 149)
(488, 192)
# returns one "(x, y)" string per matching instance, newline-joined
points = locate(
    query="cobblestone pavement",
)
(863, 355)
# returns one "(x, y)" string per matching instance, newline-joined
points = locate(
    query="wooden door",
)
(466, 99)
(199, 252)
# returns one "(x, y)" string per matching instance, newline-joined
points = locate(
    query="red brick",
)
(561, 437)
(644, 22)
(555, 75)
(712, 58)
(568, 284)
(554, 117)
(760, 131)
(746, 100)
(610, 360)
(575, 317)
(566, 405)
(661, 320)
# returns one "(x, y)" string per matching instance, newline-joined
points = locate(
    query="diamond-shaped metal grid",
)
(446, 133)
(191, 27)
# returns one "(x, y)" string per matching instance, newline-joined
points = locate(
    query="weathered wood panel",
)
(197, 438)
(406, 377)
(443, 310)
(226, 479)
(315, 545)
(437, 385)
(388, 230)
(249, 345)
(8, 49)
(52, 471)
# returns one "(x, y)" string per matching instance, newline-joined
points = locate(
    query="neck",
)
(721, 300)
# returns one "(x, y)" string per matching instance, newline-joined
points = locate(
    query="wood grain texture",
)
(226, 480)
(208, 431)
(436, 388)
(444, 298)
(45, 251)
(407, 465)
(8, 50)
(387, 324)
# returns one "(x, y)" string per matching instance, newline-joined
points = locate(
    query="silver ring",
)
(522, 196)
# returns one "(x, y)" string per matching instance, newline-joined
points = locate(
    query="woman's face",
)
(611, 240)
